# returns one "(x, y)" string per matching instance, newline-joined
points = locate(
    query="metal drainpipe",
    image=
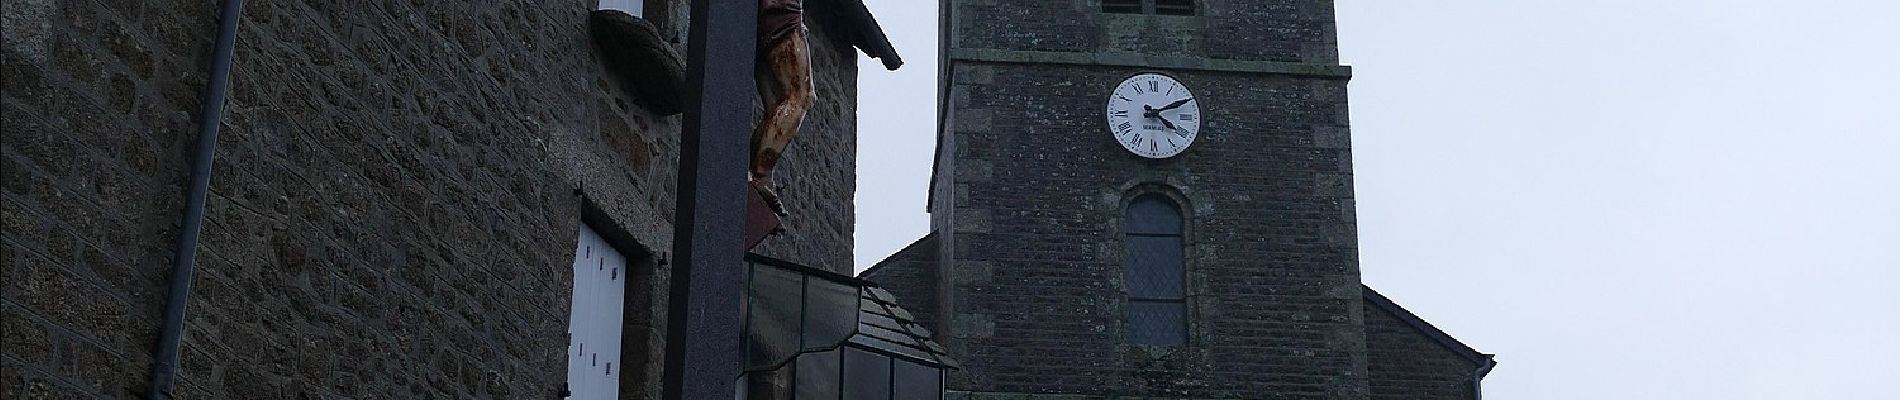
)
(1477, 378)
(171, 334)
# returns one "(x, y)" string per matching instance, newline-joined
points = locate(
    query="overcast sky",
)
(1683, 199)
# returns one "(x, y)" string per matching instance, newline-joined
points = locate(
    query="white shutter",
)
(593, 363)
(631, 7)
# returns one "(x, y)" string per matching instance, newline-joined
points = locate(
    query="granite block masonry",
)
(1025, 271)
(396, 200)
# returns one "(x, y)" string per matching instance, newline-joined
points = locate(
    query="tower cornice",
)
(1129, 59)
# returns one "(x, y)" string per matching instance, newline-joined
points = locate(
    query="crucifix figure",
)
(784, 80)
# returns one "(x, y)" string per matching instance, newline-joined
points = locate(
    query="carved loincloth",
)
(777, 20)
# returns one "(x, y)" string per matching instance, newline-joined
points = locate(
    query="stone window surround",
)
(1113, 250)
(1132, 272)
(641, 278)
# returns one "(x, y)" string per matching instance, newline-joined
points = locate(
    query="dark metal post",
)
(171, 334)
(703, 315)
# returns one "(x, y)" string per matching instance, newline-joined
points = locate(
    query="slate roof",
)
(884, 325)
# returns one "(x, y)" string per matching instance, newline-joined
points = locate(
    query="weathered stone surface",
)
(911, 275)
(1273, 30)
(643, 58)
(1407, 365)
(395, 201)
(25, 27)
(1263, 197)
(1028, 196)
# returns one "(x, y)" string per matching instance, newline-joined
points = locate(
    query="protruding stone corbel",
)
(637, 52)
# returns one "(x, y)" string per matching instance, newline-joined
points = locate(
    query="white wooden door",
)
(600, 276)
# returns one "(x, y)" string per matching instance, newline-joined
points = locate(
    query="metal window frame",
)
(745, 346)
(806, 274)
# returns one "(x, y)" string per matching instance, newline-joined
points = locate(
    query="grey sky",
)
(1623, 199)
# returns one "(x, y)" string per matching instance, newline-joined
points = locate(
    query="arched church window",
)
(1157, 306)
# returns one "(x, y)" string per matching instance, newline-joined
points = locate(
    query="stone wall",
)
(394, 204)
(1040, 186)
(1274, 30)
(911, 274)
(1029, 195)
(96, 109)
(1407, 364)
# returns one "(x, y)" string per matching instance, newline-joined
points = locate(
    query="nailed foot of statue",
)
(769, 192)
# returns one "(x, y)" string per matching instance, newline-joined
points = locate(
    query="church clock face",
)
(1153, 115)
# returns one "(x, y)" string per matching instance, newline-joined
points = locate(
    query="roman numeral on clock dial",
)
(1147, 109)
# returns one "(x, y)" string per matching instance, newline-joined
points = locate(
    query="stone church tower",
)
(1193, 244)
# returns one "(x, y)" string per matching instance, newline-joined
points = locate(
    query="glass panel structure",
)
(775, 384)
(819, 373)
(1156, 291)
(772, 324)
(913, 381)
(867, 375)
(1154, 214)
(1154, 267)
(831, 312)
(816, 335)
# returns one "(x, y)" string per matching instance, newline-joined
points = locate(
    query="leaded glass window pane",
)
(1156, 323)
(1154, 267)
(1154, 215)
(1156, 288)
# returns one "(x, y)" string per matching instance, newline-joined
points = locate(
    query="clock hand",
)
(1175, 104)
(1165, 122)
(1151, 112)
